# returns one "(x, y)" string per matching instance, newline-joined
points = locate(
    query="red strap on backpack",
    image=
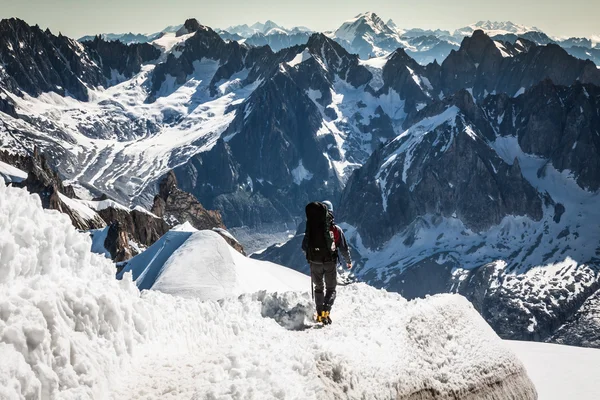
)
(336, 234)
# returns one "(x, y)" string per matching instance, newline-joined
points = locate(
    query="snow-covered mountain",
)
(268, 28)
(493, 28)
(202, 101)
(485, 194)
(368, 36)
(269, 33)
(256, 134)
(479, 199)
(131, 38)
(126, 38)
(70, 329)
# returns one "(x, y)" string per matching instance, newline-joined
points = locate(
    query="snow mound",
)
(202, 265)
(68, 330)
(65, 323)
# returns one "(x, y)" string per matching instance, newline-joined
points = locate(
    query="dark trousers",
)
(324, 272)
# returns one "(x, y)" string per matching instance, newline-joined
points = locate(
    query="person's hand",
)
(349, 266)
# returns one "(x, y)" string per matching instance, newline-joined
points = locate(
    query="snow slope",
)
(560, 372)
(69, 330)
(202, 265)
(11, 174)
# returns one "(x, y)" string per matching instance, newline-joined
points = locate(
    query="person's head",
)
(328, 204)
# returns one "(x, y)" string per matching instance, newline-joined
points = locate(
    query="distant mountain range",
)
(369, 36)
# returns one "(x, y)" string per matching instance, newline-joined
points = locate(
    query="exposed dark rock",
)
(582, 328)
(275, 147)
(500, 297)
(443, 165)
(125, 227)
(206, 44)
(130, 226)
(40, 62)
(340, 62)
(45, 182)
(190, 26)
(175, 206)
(488, 67)
(558, 123)
(399, 74)
(125, 59)
(276, 42)
(117, 243)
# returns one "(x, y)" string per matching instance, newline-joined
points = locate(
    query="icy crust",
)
(69, 330)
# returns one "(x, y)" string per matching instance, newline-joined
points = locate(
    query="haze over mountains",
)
(477, 172)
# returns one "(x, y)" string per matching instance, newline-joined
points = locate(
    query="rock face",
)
(206, 44)
(36, 61)
(445, 196)
(40, 62)
(175, 207)
(266, 146)
(45, 182)
(581, 329)
(239, 117)
(430, 170)
(278, 41)
(134, 226)
(557, 123)
(487, 66)
(120, 61)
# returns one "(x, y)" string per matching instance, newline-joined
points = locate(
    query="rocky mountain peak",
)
(16, 25)
(399, 56)
(176, 206)
(269, 25)
(317, 41)
(372, 19)
(190, 26)
(478, 46)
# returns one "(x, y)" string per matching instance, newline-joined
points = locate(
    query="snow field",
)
(69, 330)
(560, 372)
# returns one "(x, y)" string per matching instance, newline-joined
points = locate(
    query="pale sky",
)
(76, 18)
